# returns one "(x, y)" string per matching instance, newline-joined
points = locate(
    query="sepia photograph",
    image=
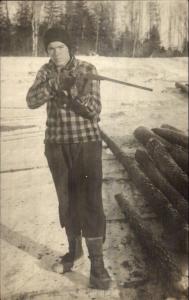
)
(94, 150)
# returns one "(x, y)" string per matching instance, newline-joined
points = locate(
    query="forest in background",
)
(109, 28)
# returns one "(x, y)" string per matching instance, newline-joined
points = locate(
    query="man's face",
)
(59, 53)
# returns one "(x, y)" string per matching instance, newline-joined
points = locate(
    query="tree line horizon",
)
(91, 27)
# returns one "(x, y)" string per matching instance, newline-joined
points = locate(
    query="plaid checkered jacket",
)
(64, 125)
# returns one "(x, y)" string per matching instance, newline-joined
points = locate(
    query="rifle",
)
(99, 77)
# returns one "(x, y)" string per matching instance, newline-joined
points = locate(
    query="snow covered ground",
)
(31, 239)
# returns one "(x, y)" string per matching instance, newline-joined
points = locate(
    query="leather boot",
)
(74, 253)
(99, 277)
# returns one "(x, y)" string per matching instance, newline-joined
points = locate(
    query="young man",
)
(73, 149)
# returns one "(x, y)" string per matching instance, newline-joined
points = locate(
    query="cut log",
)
(179, 154)
(168, 167)
(172, 136)
(167, 126)
(152, 246)
(143, 135)
(182, 86)
(159, 203)
(148, 167)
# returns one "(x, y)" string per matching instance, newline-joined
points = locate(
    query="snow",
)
(32, 239)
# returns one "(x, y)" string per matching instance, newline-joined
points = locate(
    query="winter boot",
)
(99, 277)
(75, 252)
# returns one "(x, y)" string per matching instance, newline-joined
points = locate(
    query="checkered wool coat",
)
(64, 123)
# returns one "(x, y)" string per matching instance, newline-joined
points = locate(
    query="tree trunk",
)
(83, 29)
(97, 37)
(167, 126)
(34, 38)
(180, 156)
(168, 167)
(172, 136)
(148, 167)
(137, 28)
(143, 135)
(36, 7)
(8, 28)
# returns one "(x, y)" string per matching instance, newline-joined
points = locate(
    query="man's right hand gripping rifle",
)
(73, 91)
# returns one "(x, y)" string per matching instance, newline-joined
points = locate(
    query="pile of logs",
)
(155, 249)
(165, 163)
(183, 86)
(167, 149)
(159, 170)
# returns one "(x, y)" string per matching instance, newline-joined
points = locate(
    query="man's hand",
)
(52, 79)
(60, 84)
(66, 80)
(62, 99)
(81, 109)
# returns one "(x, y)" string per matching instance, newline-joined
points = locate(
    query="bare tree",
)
(36, 8)
(5, 28)
(98, 11)
(137, 11)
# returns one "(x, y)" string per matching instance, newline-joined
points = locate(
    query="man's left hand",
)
(66, 80)
(62, 99)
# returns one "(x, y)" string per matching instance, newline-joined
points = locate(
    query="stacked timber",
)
(172, 136)
(159, 171)
(148, 167)
(143, 135)
(169, 216)
(159, 177)
(165, 162)
(179, 153)
(168, 147)
(167, 126)
(154, 248)
(168, 167)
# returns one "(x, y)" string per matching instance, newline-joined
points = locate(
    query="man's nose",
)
(56, 50)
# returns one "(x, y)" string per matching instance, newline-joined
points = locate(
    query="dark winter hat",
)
(55, 34)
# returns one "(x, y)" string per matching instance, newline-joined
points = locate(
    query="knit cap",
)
(56, 34)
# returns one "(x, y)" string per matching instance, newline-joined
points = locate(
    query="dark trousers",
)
(77, 173)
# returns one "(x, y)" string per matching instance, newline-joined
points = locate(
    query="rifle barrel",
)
(99, 77)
